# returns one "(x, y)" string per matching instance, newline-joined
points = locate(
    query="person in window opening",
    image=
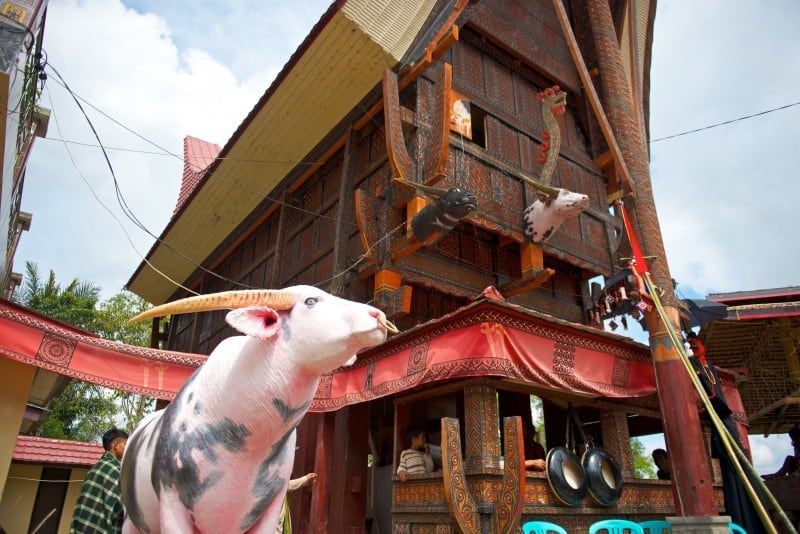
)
(662, 464)
(534, 451)
(416, 459)
(791, 465)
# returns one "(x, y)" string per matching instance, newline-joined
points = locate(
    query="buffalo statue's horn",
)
(275, 299)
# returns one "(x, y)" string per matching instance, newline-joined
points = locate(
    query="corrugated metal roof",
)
(33, 449)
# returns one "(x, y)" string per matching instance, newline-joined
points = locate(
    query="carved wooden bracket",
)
(399, 159)
(534, 273)
(390, 296)
(507, 511)
(367, 229)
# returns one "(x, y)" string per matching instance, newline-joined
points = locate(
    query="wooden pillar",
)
(482, 448)
(692, 481)
(348, 496)
(344, 219)
(691, 472)
(617, 439)
(300, 501)
(323, 466)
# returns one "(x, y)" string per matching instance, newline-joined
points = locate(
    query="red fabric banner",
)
(488, 341)
(41, 342)
(484, 339)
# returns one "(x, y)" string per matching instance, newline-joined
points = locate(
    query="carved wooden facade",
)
(343, 226)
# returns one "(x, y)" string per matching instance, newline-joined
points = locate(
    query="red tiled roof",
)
(197, 156)
(33, 449)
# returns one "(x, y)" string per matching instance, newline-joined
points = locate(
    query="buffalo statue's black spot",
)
(174, 465)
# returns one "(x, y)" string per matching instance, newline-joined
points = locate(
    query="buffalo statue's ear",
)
(256, 321)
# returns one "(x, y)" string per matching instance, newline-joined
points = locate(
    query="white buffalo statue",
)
(219, 457)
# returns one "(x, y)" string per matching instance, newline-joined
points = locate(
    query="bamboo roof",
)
(759, 341)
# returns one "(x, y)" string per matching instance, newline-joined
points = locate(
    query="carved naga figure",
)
(542, 218)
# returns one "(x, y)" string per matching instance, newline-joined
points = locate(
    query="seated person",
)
(791, 464)
(534, 452)
(662, 464)
(416, 459)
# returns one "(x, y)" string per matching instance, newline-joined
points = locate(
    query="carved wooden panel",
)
(459, 500)
(482, 430)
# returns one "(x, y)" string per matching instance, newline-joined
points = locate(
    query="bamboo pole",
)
(735, 453)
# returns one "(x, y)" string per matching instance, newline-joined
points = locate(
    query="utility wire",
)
(129, 213)
(99, 201)
(724, 123)
(163, 151)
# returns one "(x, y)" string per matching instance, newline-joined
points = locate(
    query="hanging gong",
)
(566, 475)
(603, 475)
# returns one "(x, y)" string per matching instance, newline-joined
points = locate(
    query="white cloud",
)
(725, 196)
(127, 63)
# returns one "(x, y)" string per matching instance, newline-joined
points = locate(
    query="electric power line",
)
(724, 123)
(126, 210)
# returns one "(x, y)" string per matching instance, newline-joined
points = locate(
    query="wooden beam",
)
(790, 348)
(517, 287)
(791, 400)
(594, 98)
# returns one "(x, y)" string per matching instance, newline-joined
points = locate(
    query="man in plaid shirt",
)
(99, 507)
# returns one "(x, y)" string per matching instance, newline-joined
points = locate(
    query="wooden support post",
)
(617, 439)
(500, 516)
(323, 466)
(692, 482)
(349, 473)
(482, 427)
(459, 499)
(409, 244)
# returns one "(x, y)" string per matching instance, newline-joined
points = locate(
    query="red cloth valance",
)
(492, 339)
(41, 342)
(485, 339)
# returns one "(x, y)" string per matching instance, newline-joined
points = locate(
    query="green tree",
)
(73, 304)
(83, 411)
(642, 463)
(113, 316)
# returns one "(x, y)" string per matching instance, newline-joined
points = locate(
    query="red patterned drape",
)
(38, 341)
(490, 340)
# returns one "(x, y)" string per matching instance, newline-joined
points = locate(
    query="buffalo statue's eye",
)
(311, 302)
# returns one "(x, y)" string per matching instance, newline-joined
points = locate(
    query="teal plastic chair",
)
(615, 526)
(542, 527)
(736, 529)
(656, 526)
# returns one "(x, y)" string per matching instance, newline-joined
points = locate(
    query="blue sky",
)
(726, 197)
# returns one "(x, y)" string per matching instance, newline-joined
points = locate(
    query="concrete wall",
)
(19, 497)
